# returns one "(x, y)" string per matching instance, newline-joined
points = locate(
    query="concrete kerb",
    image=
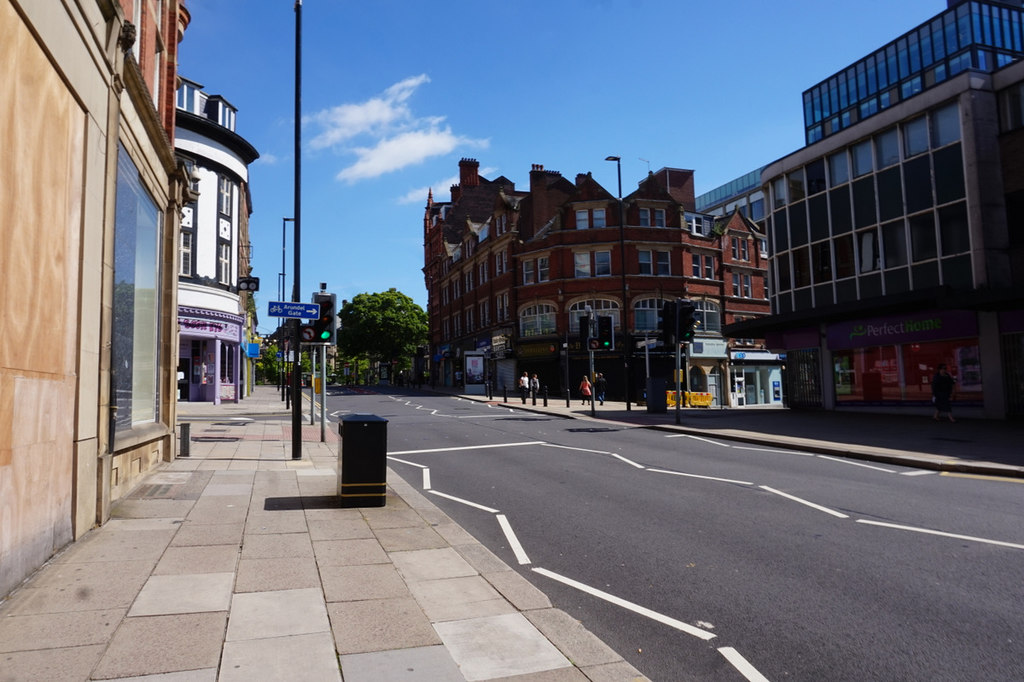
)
(865, 453)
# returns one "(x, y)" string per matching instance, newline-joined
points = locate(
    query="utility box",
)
(362, 461)
(657, 403)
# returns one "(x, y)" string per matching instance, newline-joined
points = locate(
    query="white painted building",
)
(213, 249)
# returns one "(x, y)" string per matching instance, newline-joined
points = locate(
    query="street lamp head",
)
(611, 158)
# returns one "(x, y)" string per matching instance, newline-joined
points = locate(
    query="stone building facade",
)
(510, 272)
(91, 197)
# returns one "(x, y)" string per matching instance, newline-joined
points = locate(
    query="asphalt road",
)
(704, 560)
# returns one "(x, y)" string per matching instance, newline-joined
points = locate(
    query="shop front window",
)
(137, 274)
(904, 372)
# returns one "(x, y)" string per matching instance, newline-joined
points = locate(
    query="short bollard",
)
(185, 441)
(534, 393)
(504, 392)
(362, 461)
(545, 396)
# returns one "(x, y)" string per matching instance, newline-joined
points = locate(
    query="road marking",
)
(426, 478)
(466, 502)
(857, 464)
(919, 472)
(955, 536)
(467, 447)
(809, 504)
(706, 478)
(628, 605)
(712, 442)
(412, 464)
(628, 461)
(513, 541)
(774, 451)
(570, 447)
(748, 671)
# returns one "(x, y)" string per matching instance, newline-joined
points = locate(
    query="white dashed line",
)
(748, 671)
(462, 501)
(805, 502)
(955, 536)
(513, 541)
(628, 605)
(856, 464)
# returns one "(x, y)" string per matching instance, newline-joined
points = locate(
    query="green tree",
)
(384, 327)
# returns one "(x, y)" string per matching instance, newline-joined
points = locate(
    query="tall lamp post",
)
(625, 292)
(280, 297)
(297, 249)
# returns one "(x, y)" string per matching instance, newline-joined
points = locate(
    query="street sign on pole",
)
(300, 311)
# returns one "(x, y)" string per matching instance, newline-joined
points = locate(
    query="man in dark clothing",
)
(600, 386)
(942, 393)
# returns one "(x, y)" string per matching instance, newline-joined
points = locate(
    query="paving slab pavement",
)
(238, 563)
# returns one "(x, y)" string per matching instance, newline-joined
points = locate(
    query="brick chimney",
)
(456, 191)
(469, 173)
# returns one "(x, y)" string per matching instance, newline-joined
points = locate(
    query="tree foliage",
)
(383, 326)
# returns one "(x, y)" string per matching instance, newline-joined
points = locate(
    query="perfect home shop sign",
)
(917, 328)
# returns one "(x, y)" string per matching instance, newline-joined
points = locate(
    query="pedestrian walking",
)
(524, 386)
(600, 386)
(942, 393)
(534, 386)
(585, 390)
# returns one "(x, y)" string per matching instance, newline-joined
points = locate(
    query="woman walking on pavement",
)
(585, 389)
(942, 393)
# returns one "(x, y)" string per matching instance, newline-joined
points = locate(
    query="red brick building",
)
(510, 272)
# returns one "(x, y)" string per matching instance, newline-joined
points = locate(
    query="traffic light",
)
(605, 333)
(584, 321)
(325, 328)
(687, 317)
(667, 325)
(248, 283)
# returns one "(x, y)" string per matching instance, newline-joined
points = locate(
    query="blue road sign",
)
(298, 310)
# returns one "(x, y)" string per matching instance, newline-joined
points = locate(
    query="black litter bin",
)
(362, 461)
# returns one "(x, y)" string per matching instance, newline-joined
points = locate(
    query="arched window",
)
(602, 307)
(536, 320)
(646, 312)
(710, 317)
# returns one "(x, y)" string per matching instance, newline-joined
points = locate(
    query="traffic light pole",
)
(679, 373)
(323, 392)
(593, 387)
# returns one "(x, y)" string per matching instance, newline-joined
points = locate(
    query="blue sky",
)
(395, 92)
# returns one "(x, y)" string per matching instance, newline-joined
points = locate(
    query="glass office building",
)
(981, 36)
(892, 232)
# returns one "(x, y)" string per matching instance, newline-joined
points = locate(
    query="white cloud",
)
(405, 149)
(397, 138)
(375, 115)
(268, 158)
